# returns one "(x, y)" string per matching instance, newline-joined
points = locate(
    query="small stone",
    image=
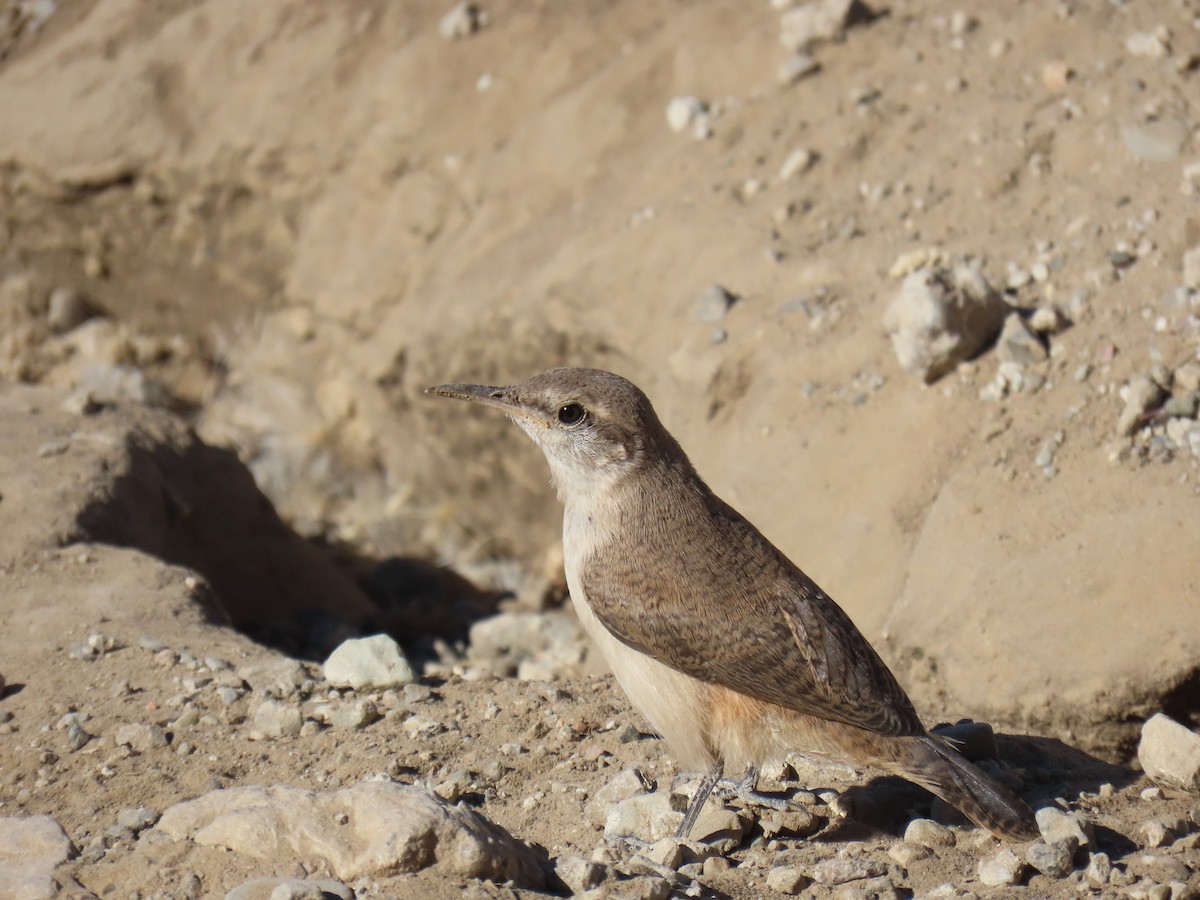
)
(1046, 320)
(1191, 269)
(463, 20)
(630, 783)
(354, 716)
(1151, 794)
(1018, 344)
(787, 880)
(797, 162)
(1155, 142)
(275, 678)
(1056, 74)
(1057, 826)
(928, 833)
(796, 67)
(1161, 831)
(647, 816)
(1052, 860)
(665, 852)
(1098, 869)
(1148, 44)
(66, 309)
(941, 318)
(1187, 377)
(278, 720)
(715, 865)
(579, 874)
(819, 20)
(1141, 395)
(290, 889)
(142, 738)
(685, 112)
(373, 663)
(1002, 867)
(905, 854)
(77, 738)
(1182, 405)
(138, 820)
(839, 871)
(712, 305)
(1170, 753)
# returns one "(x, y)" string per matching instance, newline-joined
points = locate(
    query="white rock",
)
(941, 318)
(817, 21)
(1146, 43)
(797, 66)
(646, 816)
(928, 833)
(276, 677)
(1002, 867)
(461, 21)
(373, 663)
(1057, 826)
(371, 829)
(1157, 141)
(289, 889)
(1141, 394)
(797, 162)
(1191, 269)
(1170, 753)
(683, 112)
(141, 738)
(30, 848)
(787, 880)
(839, 871)
(1017, 343)
(629, 783)
(278, 720)
(580, 873)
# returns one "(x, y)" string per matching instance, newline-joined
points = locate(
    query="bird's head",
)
(593, 426)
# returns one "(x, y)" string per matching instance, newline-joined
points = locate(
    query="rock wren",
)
(733, 654)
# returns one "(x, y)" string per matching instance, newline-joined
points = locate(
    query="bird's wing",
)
(768, 632)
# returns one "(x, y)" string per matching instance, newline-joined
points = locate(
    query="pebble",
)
(278, 720)
(1141, 395)
(1098, 869)
(684, 112)
(839, 871)
(1147, 43)
(77, 738)
(787, 880)
(1182, 405)
(1161, 831)
(1170, 753)
(905, 854)
(796, 67)
(138, 820)
(1191, 269)
(646, 816)
(1072, 828)
(276, 678)
(579, 873)
(817, 21)
(1056, 74)
(463, 20)
(942, 317)
(930, 834)
(712, 304)
(30, 849)
(1017, 343)
(66, 309)
(1155, 142)
(355, 716)
(290, 889)
(797, 162)
(1052, 860)
(142, 738)
(373, 663)
(1002, 867)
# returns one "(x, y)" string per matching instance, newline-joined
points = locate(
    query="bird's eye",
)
(571, 414)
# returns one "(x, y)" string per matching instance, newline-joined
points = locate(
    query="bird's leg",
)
(745, 790)
(707, 783)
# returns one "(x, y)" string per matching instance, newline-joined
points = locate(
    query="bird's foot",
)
(746, 791)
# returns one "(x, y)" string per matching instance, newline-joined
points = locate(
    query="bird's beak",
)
(487, 395)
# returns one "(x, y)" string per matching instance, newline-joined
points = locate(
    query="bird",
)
(726, 647)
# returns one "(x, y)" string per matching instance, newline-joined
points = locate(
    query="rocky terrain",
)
(917, 286)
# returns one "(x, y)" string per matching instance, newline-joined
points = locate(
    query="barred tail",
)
(941, 769)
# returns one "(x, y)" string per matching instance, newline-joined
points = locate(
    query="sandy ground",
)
(276, 224)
